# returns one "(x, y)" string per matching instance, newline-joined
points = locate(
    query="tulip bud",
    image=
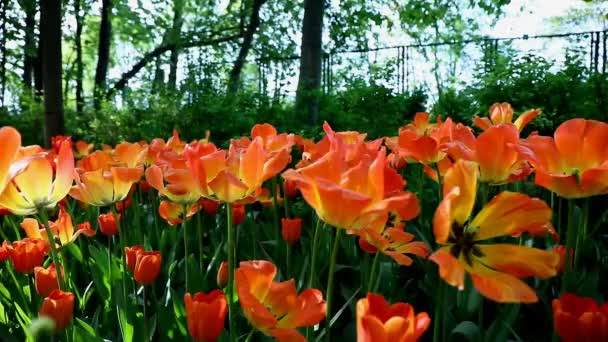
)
(58, 306)
(291, 229)
(107, 224)
(206, 314)
(46, 280)
(222, 275)
(238, 213)
(210, 207)
(131, 256)
(561, 251)
(27, 253)
(291, 189)
(147, 267)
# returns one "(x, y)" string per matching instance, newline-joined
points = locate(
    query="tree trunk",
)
(38, 69)
(79, 65)
(254, 23)
(103, 53)
(3, 6)
(29, 43)
(159, 76)
(178, 9)
(309, 82)
(50, 23)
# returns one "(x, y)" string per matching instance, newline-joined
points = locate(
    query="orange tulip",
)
(82, 148)
(377, 321)
(37, 186)
(131, 256)
(147, 267)
(353, 197)
(273, 307)
(579, 319)
(502, 113)
(103, 179)
(574, 163)
(62, 228)
(174, 213)
(107, 223)
(206, 314)
(222, 275)
(27, 253)
(291, 229)
(57, 140)
(58, 306)
(393, 242)
(495, 153)
(11, 142)
(46, 280)
(185, 178)
(4, 255)
(421, 141)
(494, 268)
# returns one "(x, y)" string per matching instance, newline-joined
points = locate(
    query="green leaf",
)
(40, 327)
(467, 330)
(502, 325)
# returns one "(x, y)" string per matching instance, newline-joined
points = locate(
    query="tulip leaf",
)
(85, 326)
(466, 331)
(501, 327)
(75, 251)
(126, 328)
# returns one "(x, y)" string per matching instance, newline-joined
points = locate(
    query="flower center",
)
(463, 243)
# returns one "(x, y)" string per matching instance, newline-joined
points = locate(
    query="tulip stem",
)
(250, 335)
(370, 281)
(580, 238)
(439, 299)
(146, 337)
(315, 241)
(287, 259)
(231, 309)
(110, 264)
(33, 298)
(275, 205)
(200, 221)
(185, 232)
(121, 241)
(330, 282)
(571, 236)
(285, 200)
(51, 238)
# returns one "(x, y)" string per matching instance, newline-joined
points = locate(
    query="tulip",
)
(579, 319)
(38, 186)
(107, 223)
(147, 267)
(222, 275)
(377, 321)
(238, 214)
(211, 207)
(26, 254)
(62, 229)
(58, 306)
(131, 256)
(501, 113)
(275, 307)
(103, 179)
(394, 242)
(174, 213)
(291, 189)
(82, 148)
(291, 229)
(46, 280)
(11, 142)
(205, 314)
(574, 163)
(495, 268)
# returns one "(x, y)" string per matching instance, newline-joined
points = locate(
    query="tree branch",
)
(164, 47)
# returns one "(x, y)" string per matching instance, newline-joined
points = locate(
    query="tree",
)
(50, 21)
(103, 54)
(309, 81)
(254, 23)
(79, 63)
(178, 9)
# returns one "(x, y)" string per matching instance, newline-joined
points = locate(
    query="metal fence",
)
(430, 66)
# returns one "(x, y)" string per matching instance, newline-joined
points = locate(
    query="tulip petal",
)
(510, 213)
(11, 141)
(450, 269)
(228, 188)
(463, 174)
(64, 173)
(35, 182)
(522, 261)
(494, 154)
(500, 287)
